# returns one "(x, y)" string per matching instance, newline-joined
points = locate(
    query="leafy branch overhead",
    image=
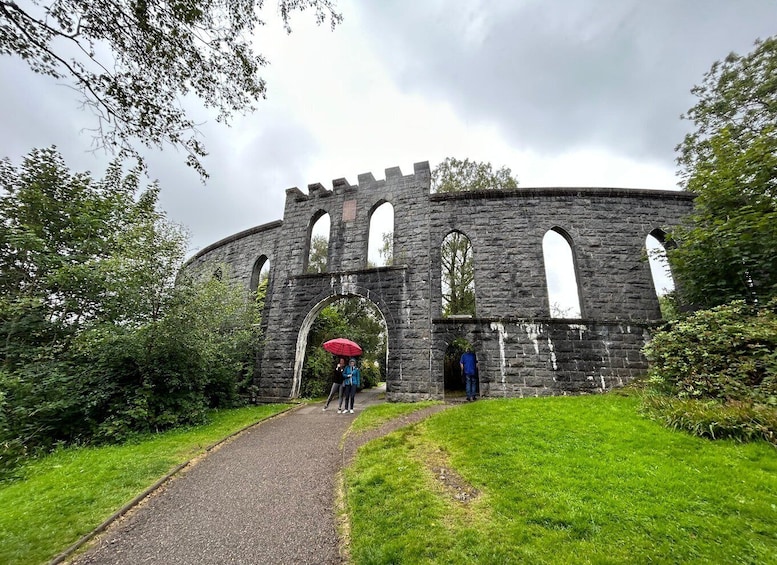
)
(134, 61)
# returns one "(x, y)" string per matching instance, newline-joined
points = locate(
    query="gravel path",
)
(266, 496)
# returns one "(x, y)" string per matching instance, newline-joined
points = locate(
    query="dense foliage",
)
(133, 61)
(99, 336)
(714, 371)
(726, 353)
(319, 251)
(455, 175)
(728, 249)
(356, 319)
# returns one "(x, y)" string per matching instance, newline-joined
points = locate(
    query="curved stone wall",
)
(521, 349)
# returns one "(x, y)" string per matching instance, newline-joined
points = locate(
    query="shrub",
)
(714, 374)
(726, 353)
(370, 374)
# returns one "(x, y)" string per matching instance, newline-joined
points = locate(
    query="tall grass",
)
(560, 480)
(63, 496)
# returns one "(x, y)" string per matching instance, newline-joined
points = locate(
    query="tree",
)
(76, 251)
(387, 249)
(739, 94)
(458, 275)
(319, 251)
(455, 175)
(458, 270)
(134, 61)
(99, 335)
(728, 248)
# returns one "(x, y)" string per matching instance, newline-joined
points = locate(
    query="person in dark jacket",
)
(337, 385)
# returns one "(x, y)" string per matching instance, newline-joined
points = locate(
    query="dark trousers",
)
(349, 393)
(471, 385)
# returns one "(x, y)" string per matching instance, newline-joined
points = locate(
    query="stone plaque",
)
(349, 210)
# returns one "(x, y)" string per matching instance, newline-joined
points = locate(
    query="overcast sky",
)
(565, 93)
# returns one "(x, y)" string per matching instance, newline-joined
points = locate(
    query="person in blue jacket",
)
(352, 379)
(469, 369)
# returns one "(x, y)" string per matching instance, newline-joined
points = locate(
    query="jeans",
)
(471, 385)
(349, 392)
(338, 388)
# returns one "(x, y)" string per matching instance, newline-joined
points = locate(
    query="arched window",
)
(457, 275)
(561, 276)
(659, 265)
(380, 247)
(260, 274)
(318, 244)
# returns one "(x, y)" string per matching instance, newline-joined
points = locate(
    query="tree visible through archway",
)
(380, 247)
(318, 254)
(457, 275)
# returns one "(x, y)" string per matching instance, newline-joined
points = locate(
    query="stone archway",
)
(304, 330)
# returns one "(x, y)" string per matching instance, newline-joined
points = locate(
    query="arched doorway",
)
(352, 316)
(453, 379)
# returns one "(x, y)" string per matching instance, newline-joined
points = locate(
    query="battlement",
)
(421, 171)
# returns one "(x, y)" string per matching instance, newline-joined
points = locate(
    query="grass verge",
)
(64, 496)
(559, 480)
(375, 416)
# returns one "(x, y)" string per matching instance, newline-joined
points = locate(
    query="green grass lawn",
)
(380, 414)
(63, 496)
(559, 480)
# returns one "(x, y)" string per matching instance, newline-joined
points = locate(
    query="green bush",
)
(370, 372)
(714, 374)
(726, 353)
(314, 387)
(101, 334)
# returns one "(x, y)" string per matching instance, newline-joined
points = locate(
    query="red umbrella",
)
(342, 346)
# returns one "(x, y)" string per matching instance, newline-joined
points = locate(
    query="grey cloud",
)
(248, 179)
(559, 75)
(250, 164)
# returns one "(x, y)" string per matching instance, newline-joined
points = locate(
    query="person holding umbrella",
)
(351, 381)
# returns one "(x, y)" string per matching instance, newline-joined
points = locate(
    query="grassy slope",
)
(560, 480)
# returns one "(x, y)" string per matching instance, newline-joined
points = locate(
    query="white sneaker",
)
(339, 411)
(351, 411)
(323, 409)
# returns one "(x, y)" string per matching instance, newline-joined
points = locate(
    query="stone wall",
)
(521, 349)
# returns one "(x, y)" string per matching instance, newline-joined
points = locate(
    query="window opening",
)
(563, 290)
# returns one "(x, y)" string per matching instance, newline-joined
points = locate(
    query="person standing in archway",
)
(469, 368)
(337, 384)
(351, 381)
